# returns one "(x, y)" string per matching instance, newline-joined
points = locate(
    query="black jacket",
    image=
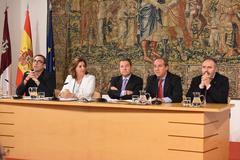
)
(47, 84)
(217, 93)
(134, 84)
(172, 87)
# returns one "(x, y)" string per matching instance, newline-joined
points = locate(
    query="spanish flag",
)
(26, 52)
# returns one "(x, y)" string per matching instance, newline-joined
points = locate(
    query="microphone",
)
(14, 96)
(55, 98)
(101, 88)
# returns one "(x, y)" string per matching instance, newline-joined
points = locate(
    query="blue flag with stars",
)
(50, 62)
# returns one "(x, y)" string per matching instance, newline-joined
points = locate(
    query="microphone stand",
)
(100, 87)
(14, 96)
(55, 98)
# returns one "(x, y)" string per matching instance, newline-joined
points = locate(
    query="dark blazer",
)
(172, 87)
(217, 93)
(134, 84)
(47, 84)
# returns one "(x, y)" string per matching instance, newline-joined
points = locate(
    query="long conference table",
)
(55, 130)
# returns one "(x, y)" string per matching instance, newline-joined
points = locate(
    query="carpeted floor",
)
(234, 151)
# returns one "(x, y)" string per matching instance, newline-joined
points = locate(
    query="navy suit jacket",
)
(172, 87)
(134, 84)
(217, 93)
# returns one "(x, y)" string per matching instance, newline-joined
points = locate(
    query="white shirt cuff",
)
(167, 100)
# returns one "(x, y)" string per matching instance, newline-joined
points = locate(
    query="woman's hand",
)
(66, 94)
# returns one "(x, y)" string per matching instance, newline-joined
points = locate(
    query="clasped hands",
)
(205, 81)
(33, 76)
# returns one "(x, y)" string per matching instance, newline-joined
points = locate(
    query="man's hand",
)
(205, 80)
(31, 75)
(129, 92)
(113, 88)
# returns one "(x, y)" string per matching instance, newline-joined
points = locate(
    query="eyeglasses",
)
(37, 61)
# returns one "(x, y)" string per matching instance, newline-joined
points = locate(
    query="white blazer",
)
(85, 89)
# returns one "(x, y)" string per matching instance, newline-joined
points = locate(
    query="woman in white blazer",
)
(79, 83)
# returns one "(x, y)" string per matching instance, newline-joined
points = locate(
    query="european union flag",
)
(50, 63)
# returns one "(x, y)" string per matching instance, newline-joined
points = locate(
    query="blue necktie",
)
(124, 84)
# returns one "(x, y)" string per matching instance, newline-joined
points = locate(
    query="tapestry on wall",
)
(183, 31)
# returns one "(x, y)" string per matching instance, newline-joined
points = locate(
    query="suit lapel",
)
(214, 81)
(119, 83)
(155, 86)
(129, 82)
(166, 85)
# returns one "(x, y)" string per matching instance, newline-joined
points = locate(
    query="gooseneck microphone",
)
(55, 98)
(12, 86)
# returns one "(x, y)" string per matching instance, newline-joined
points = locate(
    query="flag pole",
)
(28, 5)
(6, 4)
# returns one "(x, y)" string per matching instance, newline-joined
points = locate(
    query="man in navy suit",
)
(164, 85)
(211, 84)
(127, 84)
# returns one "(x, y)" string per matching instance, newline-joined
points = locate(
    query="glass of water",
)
(41, 95)
(135, 98)
(33, 92)
(187, 101)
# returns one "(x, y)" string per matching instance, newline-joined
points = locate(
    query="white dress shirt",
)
(85, 89)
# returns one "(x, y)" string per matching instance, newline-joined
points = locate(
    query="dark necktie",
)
(124, 84)
(160, 91)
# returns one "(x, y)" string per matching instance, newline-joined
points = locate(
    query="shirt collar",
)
(163, 78)
(128, 77)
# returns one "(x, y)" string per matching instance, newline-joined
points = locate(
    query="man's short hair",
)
(164, 60)
(127, 59)
(40, 55)
(210, 59)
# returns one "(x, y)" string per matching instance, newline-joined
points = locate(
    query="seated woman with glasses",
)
(37, 77)
(79, 84)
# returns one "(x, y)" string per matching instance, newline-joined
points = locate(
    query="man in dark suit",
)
(164, 85)
(211, 84)
(127, 84)
(37, 77)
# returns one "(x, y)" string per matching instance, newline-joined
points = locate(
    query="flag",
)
(26, 53)
(50, 62)
(6, 58)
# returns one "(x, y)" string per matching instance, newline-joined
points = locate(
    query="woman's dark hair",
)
(74, 64)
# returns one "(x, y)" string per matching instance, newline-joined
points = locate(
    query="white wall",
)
(16, 18)
(234, 121)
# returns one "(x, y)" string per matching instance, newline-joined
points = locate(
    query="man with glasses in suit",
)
(38, 77)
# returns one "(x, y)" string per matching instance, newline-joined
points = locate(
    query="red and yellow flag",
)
(26, 53)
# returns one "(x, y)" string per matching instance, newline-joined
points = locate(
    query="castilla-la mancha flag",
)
(6, 59)
(26, 52)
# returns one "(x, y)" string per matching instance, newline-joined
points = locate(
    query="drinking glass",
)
(186, 102)
(33, 92)
(135, 98)
(41, 95)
